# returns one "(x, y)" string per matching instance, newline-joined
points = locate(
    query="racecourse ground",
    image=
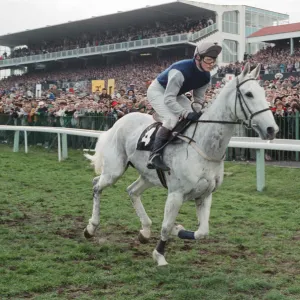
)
(252, 252)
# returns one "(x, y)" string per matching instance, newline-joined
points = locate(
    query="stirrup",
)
(150, 164)
(160, 166)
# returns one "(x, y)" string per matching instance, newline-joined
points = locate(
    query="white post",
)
(25, 141)
(291, 46)
(16, 141)
(260, 169)
(64, 144)
(59, 147)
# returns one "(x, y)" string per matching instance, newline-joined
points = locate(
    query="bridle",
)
(243, 105)
(239, 99)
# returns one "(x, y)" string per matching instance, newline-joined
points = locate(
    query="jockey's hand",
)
(193, 116)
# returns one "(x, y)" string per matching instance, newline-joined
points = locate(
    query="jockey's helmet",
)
(208, 49)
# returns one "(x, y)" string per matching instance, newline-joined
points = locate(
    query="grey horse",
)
(196, 168)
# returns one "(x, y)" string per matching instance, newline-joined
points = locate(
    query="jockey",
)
(166, 94)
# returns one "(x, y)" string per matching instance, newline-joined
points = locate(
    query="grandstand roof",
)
(173, 10)
(276, 30)
(275, 33)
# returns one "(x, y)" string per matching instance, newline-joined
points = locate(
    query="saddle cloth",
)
(146, 140)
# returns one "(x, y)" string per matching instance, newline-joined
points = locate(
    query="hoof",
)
(159, 258)
(176, 229)
(142, 238)
(87, 235)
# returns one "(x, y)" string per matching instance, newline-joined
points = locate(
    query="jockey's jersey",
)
(193, 77)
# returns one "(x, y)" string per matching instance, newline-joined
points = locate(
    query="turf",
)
(252, 251)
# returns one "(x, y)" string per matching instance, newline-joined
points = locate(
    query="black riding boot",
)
(155, 160)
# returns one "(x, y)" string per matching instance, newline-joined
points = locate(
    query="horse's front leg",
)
(203, 213)
(172, 207)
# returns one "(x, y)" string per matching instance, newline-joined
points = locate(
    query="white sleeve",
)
(175, 82)
(199, 94)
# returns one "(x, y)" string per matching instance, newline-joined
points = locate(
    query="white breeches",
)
(155, 95)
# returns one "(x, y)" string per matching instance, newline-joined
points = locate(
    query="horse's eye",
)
(249, 95)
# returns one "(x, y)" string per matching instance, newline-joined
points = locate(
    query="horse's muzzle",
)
(271, 132)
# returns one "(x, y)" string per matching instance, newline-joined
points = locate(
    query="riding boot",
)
(155, 160)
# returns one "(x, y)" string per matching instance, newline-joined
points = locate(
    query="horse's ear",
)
(255, 73)
(246, 69)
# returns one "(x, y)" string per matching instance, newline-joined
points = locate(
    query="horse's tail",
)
(97, 158)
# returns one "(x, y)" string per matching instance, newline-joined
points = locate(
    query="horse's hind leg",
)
(99, 184)
(135, 190)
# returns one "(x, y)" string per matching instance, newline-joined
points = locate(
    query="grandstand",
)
(280, 52)
(65, 69)
(156, 29)
(287, 34)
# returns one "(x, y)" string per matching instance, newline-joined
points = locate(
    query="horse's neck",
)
(214, 138)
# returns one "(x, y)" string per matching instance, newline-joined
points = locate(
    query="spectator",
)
(104, 95)
(129, 107)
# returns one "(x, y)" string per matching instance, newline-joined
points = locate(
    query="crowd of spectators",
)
(88, 39)
(82, 108)
(75, 111)
(61, 106)
(124, 73)
(274, 60)
(19, 100)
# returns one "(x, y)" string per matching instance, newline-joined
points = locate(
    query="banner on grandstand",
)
(80, 86)
(111, 86)
(38, 90)
(98, 85)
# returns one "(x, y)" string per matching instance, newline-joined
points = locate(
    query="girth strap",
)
(162, 178)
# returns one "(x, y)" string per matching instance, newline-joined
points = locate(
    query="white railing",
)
(111, 48)
(203, 32)
(235, 142)
(61, 136)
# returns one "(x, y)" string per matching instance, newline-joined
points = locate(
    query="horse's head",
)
(251, 105)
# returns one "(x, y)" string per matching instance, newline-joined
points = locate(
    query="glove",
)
(193, 116)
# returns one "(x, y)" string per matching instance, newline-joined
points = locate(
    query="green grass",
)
(252, 251)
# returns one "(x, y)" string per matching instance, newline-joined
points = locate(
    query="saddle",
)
(146, 141)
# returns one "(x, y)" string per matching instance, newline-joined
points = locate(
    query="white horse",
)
(196, 168)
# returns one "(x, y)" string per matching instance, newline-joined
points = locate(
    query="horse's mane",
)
(207, 104)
